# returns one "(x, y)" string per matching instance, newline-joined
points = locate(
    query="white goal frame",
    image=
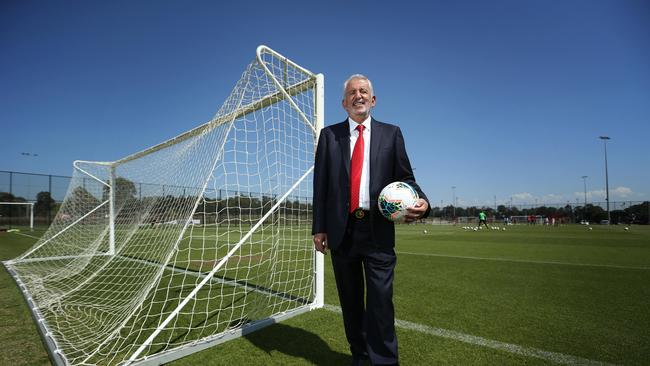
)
(523, 219)
(30, 206)
(107, 204)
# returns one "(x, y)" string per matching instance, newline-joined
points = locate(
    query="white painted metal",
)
(31, 217)
(76, 166)
(111, 213)
(264, 49)
(319, 267)
(51, 346)
(166, 357)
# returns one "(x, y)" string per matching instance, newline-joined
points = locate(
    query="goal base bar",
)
(50, 346)
(169, 356)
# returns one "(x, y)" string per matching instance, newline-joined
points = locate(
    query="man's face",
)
(358, 99)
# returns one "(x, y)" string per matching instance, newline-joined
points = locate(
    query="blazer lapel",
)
(343, 139)
(376, 136)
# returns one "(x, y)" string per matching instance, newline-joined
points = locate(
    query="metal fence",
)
(48, 192)
(621, 212)
(27, 186)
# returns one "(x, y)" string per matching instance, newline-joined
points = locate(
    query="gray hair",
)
(357, 76)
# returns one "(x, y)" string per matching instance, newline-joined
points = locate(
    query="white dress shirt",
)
(364, 189)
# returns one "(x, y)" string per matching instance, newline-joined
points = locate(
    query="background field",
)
(528, 295)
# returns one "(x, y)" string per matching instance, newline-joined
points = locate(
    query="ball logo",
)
(394, 199)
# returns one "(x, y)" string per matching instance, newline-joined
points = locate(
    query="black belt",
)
(360, 213)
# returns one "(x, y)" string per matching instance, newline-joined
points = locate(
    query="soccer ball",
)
(394, 199)
(424, 231)
(627, 228)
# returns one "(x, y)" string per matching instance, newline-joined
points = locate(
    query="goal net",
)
(189, 243)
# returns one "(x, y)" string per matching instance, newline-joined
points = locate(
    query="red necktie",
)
(356, 165)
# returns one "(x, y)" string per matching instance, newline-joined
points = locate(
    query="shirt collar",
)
(353, 124)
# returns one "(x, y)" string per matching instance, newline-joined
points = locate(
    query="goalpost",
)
(7, 216)
(192, 242)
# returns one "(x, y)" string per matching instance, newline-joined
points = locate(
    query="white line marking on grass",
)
(29, 236)
(559, 358)
(524, 261)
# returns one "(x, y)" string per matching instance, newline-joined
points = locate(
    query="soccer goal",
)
(523, 219)
(17, 214)
(192, 242)
(467, 220)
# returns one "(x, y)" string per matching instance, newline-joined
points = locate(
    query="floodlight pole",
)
(584, 180)
(453, 193)
(605, 138)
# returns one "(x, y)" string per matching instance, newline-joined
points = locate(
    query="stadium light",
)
(605, 138)
(584, 180)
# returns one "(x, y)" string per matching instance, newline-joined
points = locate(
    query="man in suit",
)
(355, 159)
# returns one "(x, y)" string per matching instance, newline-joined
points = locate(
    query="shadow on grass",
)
(297, 342)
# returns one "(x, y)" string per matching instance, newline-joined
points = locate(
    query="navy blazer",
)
(388, 163)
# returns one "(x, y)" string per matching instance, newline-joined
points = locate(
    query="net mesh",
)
(199, 236)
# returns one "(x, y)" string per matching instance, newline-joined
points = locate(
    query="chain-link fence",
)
(48, 191)
(620, 212)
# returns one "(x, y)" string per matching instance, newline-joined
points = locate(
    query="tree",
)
(124, 190)
(6, 197)
(594, 213)
(81, 195)
(43, 205)
(639, 214)
(5, 210)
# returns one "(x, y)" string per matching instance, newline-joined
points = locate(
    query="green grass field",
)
(524, 296)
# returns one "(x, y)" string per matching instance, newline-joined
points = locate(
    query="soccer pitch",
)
(532, 295)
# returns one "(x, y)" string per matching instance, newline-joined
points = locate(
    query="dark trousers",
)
(369, 325)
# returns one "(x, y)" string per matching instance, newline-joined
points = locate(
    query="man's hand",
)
(416, 211)
(320, 242)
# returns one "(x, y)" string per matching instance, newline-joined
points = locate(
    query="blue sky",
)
(501, 99)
